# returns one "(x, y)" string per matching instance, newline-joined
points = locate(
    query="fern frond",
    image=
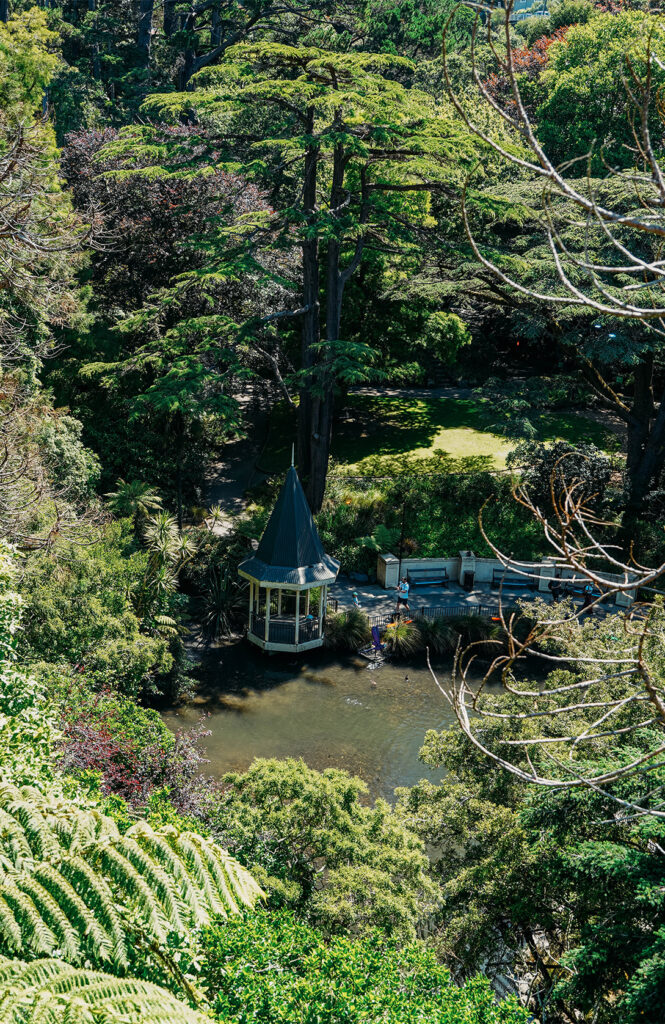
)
(72, 884)
(51, 992)
(35, 933)
(52, 915)
(98, 901)
(10, 929)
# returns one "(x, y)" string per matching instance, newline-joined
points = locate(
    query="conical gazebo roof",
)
(290, 551)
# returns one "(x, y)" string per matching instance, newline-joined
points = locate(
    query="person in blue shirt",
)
(402, 595)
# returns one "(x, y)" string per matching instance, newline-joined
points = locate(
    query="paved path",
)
(228, 481)
(374, 600)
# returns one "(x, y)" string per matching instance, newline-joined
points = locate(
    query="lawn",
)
(391, 425)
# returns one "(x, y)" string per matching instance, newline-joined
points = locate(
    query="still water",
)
(330, 711)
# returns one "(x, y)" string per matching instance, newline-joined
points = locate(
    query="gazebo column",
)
(297, 637)
(279, 601)
(307, 603)
(322, 604)
(267, 631)
(251, 602)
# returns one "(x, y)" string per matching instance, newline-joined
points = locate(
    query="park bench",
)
(505, 578)
(427, 577)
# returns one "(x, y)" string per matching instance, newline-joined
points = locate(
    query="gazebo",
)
(289, 565)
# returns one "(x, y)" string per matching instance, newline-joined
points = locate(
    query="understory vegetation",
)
(233, 235)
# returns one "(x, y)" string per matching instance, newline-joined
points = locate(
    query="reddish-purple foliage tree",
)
(147, 223)
(92, 739)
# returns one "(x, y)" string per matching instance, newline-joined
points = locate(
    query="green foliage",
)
(581, 111)
(381, 539)
(73, 469)
(444, 335)
(51, 992)
(441, 505)
(316, 848)
(26, 728)
(548, 470)
(347, 630)
(443, 635)
(402, 638)
(71, 881)
(271, 967)
(27, 62)
(80, 612)
(134, 499)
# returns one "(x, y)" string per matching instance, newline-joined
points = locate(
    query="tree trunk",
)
(180, 433)
(646, 440)
(322, 402)
(311, 317)
(645, 435)
(188, 23)
(169, 17)
(639, 421)
(96, 67)
(145, 28)
(215, 29)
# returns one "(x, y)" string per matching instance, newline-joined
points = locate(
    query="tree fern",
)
(72, 885)
(51, 992)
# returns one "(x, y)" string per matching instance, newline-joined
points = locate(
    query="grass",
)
(375, 426)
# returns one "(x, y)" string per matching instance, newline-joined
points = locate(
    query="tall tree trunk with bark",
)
(645, 433)
(323, 400)
(169, 18)
(96, 66)
(311, 316)
(187, 24)
(145, 28)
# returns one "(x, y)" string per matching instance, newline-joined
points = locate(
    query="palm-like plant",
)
(134, 499)
(439, 636)
(169, 550)
(347, 630)
(162, 538)
(402, 638)
(219, 602)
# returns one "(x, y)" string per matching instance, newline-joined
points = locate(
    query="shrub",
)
(318, 850)
(347, 630)
(438, 635)
(270, 967)
(403, 638)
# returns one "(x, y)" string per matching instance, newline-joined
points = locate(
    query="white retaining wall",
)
(540, 573)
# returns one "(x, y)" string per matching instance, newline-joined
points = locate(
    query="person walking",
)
(554, 587)
(587, 600)
(402, 595)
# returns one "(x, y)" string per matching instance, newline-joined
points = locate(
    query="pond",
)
(330, 711)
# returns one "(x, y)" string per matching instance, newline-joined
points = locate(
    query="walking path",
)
(228, 481)
(374, 600)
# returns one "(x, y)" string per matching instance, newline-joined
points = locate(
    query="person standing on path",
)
(587, 601)
(402, 595)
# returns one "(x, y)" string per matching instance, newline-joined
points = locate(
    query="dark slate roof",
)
(290, 550)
